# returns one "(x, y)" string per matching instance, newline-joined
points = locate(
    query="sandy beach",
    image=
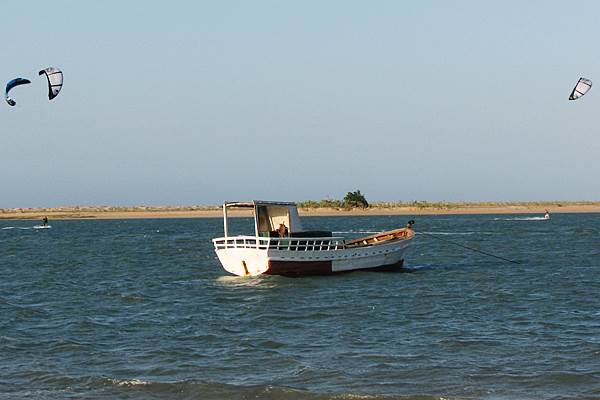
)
(142, 212)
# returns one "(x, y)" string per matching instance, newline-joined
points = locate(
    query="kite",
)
(582, 87)
(55, 81)
(10, 85)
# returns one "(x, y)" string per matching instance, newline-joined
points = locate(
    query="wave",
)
(359, 231)
(219, 391)
(259, 281)
(128, 382)
(449, 233)
(522, 219)
(84, 387)
(25, 228)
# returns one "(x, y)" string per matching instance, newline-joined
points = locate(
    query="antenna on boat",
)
(469, 248)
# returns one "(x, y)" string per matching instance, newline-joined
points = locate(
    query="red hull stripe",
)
(296, 268)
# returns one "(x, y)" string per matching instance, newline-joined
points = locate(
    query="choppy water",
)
(141, 309)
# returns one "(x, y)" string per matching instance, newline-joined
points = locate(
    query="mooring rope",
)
(469, 248)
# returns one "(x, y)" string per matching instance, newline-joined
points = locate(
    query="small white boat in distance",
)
(280, 246)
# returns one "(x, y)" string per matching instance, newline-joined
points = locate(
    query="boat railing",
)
(280, 243)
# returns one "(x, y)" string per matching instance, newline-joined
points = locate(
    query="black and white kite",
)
(55, 81)
(582, 87)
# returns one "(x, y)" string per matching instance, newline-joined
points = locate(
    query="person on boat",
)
(45, 221)
(547, 215)
(282, 230)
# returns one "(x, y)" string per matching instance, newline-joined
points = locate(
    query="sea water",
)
(141, 309)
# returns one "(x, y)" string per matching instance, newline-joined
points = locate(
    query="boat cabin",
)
(272, 219)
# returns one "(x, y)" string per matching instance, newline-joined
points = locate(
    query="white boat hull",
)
(257, 261)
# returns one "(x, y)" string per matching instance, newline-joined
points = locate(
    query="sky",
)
(200, 102)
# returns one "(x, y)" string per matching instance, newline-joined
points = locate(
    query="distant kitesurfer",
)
(547, 215)
(45, 221)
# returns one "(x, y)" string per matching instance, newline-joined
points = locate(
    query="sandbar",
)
(147, 212)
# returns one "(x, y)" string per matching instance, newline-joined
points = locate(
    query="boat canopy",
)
(268, 215)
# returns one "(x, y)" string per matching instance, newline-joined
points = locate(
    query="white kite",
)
(55, 81)
(582, 87)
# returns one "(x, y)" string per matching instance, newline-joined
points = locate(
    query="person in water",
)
(410, 224)
(45, 221)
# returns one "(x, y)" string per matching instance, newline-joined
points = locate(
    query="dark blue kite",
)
(10, 85)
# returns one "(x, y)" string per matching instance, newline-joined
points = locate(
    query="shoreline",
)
(61, 213)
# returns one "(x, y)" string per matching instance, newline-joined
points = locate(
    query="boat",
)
(281, 246)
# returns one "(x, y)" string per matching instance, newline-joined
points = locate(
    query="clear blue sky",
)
(189, 102)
